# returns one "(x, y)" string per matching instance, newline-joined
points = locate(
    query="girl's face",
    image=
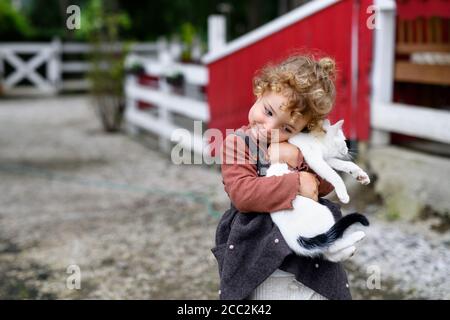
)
(268, 121)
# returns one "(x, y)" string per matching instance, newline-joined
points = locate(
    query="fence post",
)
(175, 49)
(54, 65)
(131, 105)
(163, 54)
(216, 32)
(165, 59)
(383, 63)
(196, 50)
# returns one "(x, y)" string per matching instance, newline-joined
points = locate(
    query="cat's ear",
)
(338, 125)
(326, 124)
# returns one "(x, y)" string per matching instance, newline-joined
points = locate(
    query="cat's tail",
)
(335, 232)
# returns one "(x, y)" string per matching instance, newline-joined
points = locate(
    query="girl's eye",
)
(288, 130)
(268, 112)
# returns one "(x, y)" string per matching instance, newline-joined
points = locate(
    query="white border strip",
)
(269, 28)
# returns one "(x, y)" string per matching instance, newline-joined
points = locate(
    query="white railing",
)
(80, 67)
(158, 59)
(192, 104)
(416, 121)
(160, 119)
(64, 69)
(386, 116)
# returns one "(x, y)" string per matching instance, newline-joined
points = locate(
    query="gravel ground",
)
(412, 258)
(413, 262)
(71, 194)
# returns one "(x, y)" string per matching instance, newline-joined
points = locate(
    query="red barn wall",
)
(230, 93)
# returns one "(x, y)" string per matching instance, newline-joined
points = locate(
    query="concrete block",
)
(409, 181)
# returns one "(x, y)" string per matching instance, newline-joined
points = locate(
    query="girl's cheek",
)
(257, 116)
(251, 115)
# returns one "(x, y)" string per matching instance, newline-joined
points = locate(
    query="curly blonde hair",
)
(308, 83)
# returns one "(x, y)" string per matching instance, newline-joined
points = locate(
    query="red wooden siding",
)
(411, 9)
(230, 78)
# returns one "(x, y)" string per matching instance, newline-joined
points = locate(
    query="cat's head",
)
(335, 139)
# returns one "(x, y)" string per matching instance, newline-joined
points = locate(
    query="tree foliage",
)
(148, 20)
(13, 25)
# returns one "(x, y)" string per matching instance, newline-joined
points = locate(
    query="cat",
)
(309, 228)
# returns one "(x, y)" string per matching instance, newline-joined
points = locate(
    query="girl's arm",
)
(324, 187)
(248, 191)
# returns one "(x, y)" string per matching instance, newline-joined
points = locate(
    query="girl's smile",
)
(269, 122)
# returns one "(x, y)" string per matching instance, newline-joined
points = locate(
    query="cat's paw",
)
(343, 197)
(277, 169)
(363, 177)
(341, 255)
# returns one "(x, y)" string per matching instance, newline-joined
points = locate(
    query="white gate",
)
(42, 53)
(64, 69)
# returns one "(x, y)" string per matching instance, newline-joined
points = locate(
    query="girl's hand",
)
(284, 152)
(309, 185)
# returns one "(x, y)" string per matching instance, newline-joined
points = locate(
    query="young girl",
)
(254, 260)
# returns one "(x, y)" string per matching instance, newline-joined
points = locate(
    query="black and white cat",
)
(309, 228)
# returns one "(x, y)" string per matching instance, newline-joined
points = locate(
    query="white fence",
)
(65, 65)
(159, 61)
(192, 104)
(42, 53)
(62, 60)
(167, 103)
(387, 116)
(73, 66)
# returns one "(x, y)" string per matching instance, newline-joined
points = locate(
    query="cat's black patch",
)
(334, 233)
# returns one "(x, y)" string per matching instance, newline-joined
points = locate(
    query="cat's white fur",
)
(308, 218)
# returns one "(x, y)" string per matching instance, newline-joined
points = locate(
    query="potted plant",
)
(136, 69)
(176, 81)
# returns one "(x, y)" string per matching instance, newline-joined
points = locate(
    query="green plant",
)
(135, 68)
(13, 25)
(176, 79)
(101, 24)
(188, 34)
